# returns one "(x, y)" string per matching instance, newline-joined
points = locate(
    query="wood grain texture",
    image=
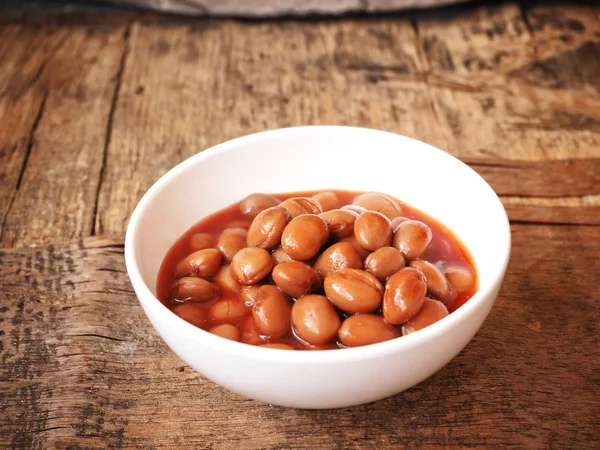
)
(93, 109)
(490, 86)
(474, 83)
(23, 53)
(55, 195)
(453, 83)
(81, 365)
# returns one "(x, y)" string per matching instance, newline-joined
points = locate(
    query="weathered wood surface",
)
(94, 108)
(82, 366)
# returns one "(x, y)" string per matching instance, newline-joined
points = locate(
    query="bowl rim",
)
(317, 357)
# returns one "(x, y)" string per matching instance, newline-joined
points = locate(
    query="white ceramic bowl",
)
(310, 158)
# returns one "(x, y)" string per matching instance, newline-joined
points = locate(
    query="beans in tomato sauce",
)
(316, 270)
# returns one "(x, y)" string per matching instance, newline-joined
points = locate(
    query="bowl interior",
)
(308, 158)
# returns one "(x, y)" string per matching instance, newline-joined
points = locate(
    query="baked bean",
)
(195, 289)
(430, 312)
(315, 319)
(231, 241)
(266, 228)
(340, 223)
(380, 203)
(355, 209)
(412, 238)
(279, 346)
(229, 310)
(249, 334)
(279, 255)
(192, 313)
(397, 221)
(225, 280)
(200, 241)
(203, 263)
(226, 331)
(251, 264)
(272, 312)
(249, 294)
(296, 278)
(328, 200)
(361, 251)
(338, 257)
(436, 282)
(302, 205)
(461, 278)
(304, 236)
(404, 295)
(255, 203)
(384, 262)
(372, 230)
(365, 329)
(353, 291)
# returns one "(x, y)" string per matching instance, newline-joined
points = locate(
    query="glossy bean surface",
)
(412, 237)
(202, 263)
(302, 205)
(337, 257)
(437, 284)
(328, 200)
(279, 255)
(192, 313)
(255, 203)
(404, 295)
(384, 204)
(431, 312)
(365, 329)
(461, 278)
(384, 262)
(267, 227)
(353, 291)
(372, 230)
(340, 223)
(296, 278)
(304, 236)
(195, 289)
(310, 298)
(272, 312)
(250, 265)
(315, 319)
(231, 241)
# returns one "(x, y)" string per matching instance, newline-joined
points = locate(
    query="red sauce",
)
(445, 249)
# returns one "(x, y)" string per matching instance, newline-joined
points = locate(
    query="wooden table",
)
(94, 108)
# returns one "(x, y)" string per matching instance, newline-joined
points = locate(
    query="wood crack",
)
(101, 336)
(550, 223)
(109, 127)
(28, 149)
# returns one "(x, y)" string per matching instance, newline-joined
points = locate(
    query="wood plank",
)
(82, 367)
(561, 178)
(56, 196)
(491, 77)
(24, 53)
(188, 87)
(544, 214)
